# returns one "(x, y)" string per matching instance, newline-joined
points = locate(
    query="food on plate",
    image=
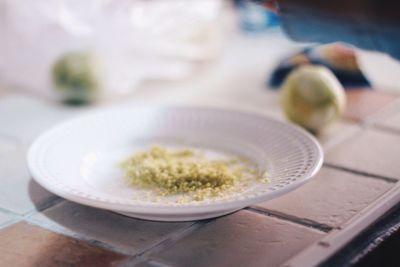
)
(188, 173)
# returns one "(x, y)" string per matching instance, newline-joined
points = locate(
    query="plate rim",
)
(179, 208)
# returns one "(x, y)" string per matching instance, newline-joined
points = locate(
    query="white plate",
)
(78, 160)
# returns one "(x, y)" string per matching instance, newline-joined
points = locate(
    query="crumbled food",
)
(168, 172)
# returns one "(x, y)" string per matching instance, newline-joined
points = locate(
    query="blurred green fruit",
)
(312, 97)
(76, 78)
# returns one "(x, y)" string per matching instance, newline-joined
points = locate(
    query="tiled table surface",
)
(41, 229)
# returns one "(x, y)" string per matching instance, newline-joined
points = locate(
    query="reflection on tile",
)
(372, 151)
(365, 102)
(331, 198)
(241, 239)
(128, 235)
(25, 245)
(18, 192)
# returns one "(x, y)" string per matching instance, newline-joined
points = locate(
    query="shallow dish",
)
(78, 159)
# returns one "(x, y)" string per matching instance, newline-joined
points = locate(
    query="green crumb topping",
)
(168, 172)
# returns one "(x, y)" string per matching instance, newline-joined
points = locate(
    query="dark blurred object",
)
(256, 16)
(378, 245)
(368, 24)
(339, 58)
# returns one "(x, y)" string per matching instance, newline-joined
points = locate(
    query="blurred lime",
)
(76, 77)
(312, 97)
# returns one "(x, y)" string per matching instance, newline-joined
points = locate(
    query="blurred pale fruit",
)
(76, 77)
(312, 97)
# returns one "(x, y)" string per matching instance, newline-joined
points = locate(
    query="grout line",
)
(50, 203)
(133, 259)
(158, 264)
(61, 230)
(163, 244)
(369, 175)
(150, 263)
(40, 209)
(321, 250)
(10, 222)
(283, 216)
(9, 212)
(348, 135)
(16, 218)
(74, 235)
(154, 263)
(386, 129)
(100, 244)
(388, 110)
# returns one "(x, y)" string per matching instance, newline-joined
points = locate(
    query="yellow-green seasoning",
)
(168, 172)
